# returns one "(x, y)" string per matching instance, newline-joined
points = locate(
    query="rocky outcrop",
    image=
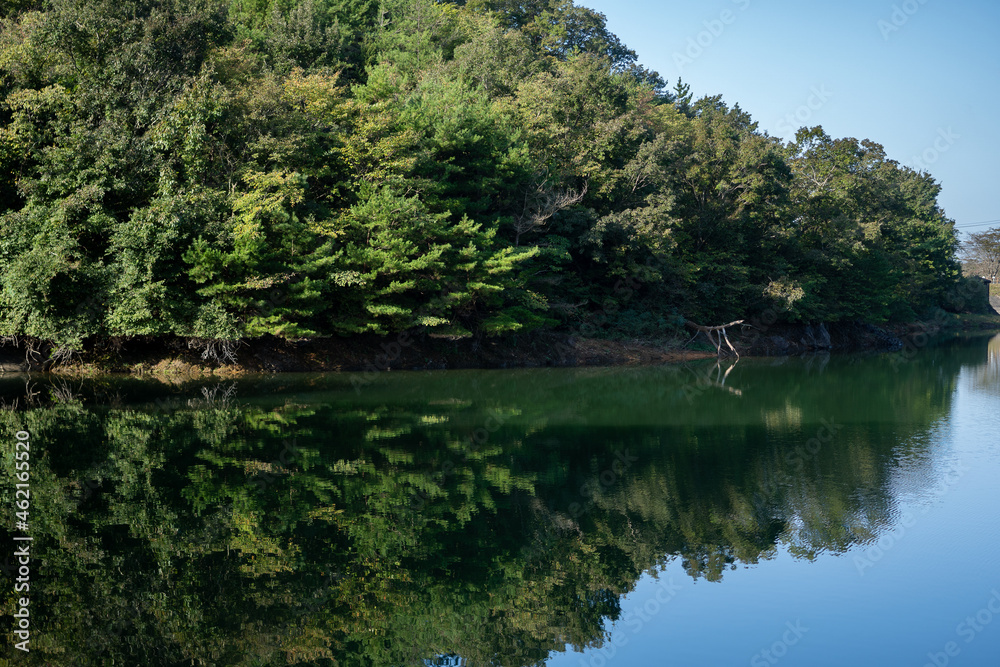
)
(788, 339)
(12, 362)
(816, 337)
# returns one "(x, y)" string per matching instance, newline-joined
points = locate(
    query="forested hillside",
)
(308, 168)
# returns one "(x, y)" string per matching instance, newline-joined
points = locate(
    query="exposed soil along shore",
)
(411, 351)
(359, 353)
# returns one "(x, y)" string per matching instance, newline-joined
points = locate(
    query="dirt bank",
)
(174, 357)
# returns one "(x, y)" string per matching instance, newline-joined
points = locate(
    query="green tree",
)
(870, 229)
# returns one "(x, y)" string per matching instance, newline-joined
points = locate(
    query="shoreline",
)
(359, 354)
(173, 357)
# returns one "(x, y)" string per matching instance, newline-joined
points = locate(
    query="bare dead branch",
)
(541, 202)
(720, 336)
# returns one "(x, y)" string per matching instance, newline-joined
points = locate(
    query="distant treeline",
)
(222, 170)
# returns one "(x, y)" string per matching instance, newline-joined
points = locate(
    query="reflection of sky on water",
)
(898, 599)
(869, 548)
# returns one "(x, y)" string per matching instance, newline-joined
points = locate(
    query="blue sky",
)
(920, 77)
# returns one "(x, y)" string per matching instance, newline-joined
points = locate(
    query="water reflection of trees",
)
(988, 374)
(498, 517)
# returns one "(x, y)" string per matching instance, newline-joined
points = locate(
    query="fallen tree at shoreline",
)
(719, 332)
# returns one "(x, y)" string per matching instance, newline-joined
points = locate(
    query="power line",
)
(969, 224)
(976, 224)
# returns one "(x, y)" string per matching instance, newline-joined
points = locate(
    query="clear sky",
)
(920, 77)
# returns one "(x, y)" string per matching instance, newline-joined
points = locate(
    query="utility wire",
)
(976, 224)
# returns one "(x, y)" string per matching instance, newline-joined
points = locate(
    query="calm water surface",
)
(819, 511)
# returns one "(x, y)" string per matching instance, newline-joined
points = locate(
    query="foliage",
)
(298, 168)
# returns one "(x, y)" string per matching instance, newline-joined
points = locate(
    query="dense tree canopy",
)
(298, 168)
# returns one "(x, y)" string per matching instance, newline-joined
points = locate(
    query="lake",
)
(828, 510)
